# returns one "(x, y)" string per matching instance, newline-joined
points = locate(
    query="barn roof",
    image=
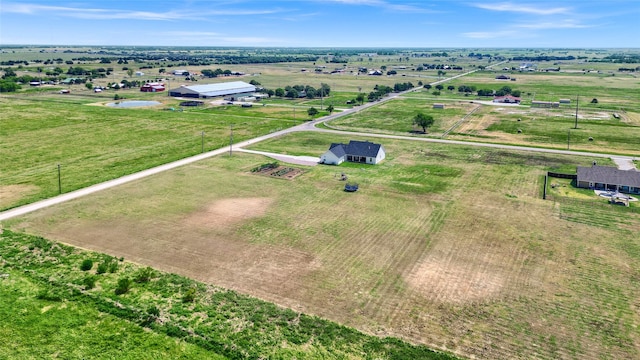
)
(219, 89)
(609, 175)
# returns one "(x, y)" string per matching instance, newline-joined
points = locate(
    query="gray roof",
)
(609, 175)
(357, 148)
(338, 149)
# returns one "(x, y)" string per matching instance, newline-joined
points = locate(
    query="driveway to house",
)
(292, 159)
(624, 163)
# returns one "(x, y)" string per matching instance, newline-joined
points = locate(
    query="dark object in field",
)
(351, 187)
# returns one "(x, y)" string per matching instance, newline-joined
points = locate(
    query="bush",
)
(189, 295)
(89, 282)
(594, 101)
(124, 284)
(86, 265)
(102, 268)
(145, 275)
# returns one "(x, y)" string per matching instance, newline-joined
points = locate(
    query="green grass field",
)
(49, 311)
(447, 246)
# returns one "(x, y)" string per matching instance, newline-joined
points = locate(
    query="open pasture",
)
(94, 143)
(443, 245)
(396, 117)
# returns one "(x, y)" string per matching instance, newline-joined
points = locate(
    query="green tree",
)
(424, 121)
(89, 85)
(279, 92)
(360, 98)
(330, 109)
(439, 87)
(312, 111)
(130, 72)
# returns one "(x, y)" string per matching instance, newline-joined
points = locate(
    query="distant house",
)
(503, 77)
(375, 72)
(139, 73)
(438, 106)
(364, 152)
(35, 83)
(507, 99)
(180, 72)
(565, 101)
(152, 87)
(608, 178)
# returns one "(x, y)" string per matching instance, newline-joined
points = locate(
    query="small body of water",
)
(132, 103)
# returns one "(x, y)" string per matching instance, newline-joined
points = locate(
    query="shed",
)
(438, 106)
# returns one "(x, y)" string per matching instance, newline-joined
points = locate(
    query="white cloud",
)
(521, 8)
(113, 14)
(567, 24)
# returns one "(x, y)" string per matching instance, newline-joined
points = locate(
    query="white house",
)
(364, 152)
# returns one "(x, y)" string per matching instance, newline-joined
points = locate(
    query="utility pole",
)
(203, 141)
(577, 98)
(231, 141)
(59, 181)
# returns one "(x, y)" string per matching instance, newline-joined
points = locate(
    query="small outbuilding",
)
(438, 106)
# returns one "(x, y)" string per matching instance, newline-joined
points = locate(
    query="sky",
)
(324, 23)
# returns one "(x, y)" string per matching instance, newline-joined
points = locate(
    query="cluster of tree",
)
(297, 91)
(629, 69)
(95, 73)
(437, 66)
(630, 58)
(215, 73)
(505, 90)
(379, 91)
(14, 62)
(398, 87)
(543, 58)
(479, 56)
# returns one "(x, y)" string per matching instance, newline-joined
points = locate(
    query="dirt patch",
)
(448, 281)
(228, 212)
(283, 172)
(10, 194)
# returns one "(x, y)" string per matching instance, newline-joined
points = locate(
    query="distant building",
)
(364, 152)
(152, 87)
(438, 106)
(232, 90)
(139, 73)
(507, 99)
(565, 101)
(503, 77)
(545, 104)
(180, 72)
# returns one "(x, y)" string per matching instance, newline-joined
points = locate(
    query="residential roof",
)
(337, 149)
(363, 148)
(609, 175)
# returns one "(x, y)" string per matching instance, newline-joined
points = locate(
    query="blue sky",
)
(326, 23)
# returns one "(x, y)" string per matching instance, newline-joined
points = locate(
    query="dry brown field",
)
(448, 246)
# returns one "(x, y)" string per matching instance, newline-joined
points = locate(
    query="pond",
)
(132, 103)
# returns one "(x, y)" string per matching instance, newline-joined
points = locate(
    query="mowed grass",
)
(93, 143)
(447, 246)
(396, 117)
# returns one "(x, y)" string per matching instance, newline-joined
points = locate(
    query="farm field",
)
(598, 129)
(447, 246)
(94, 143)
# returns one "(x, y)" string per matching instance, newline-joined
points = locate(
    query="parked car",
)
(64, 91)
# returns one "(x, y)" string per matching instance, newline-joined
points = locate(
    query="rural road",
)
(307, 126)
